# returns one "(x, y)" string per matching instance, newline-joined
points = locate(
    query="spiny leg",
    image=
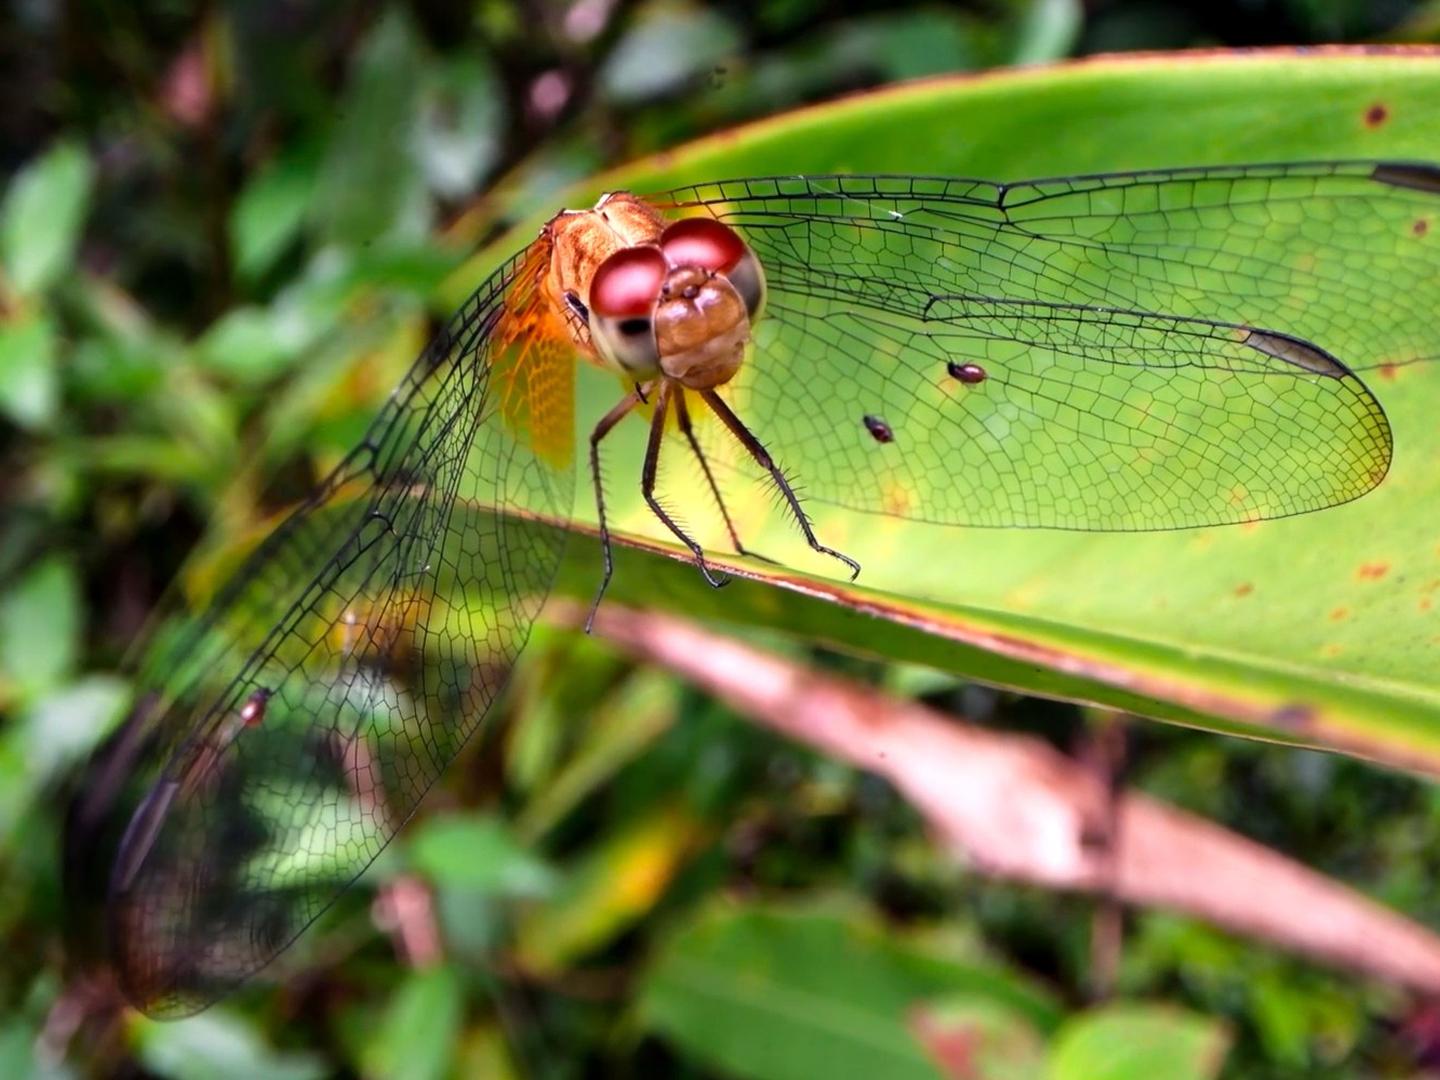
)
(603, 428)
(647, 483)
(682, 416)
(766, 462)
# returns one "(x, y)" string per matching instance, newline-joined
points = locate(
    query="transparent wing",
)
(301, 717)
(1160, 350)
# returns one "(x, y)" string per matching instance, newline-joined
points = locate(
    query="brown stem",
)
(1018, 809)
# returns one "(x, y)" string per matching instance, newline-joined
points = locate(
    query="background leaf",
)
(785, 995)
(40, 628)
(29, 382)
(370, 180)
(222, 1046)
(41, 217)
(417, 1036)
(270, 210)
(1136, 1042)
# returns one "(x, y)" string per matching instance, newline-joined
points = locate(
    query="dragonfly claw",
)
(714, 579)
(851, 563)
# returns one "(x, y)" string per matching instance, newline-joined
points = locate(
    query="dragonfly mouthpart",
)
(702, 326)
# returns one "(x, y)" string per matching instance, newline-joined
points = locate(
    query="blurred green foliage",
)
(222, 231)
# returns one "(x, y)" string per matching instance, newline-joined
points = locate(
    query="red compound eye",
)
(627, 283)
(702, 242)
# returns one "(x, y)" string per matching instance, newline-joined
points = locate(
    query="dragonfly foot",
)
(715, 579)
(851, 563)
(594, 607)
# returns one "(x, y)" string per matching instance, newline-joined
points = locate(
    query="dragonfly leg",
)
(682, 416)
(603, 428)
(766, 462)
(647, 485)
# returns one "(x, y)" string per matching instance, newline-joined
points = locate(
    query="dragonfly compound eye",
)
(623, 295)
(707, 244)
(702, 242)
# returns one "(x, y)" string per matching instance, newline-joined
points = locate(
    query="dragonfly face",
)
(1154, 350)
(659, 300)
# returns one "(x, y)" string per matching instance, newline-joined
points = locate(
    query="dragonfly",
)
(1130, 351)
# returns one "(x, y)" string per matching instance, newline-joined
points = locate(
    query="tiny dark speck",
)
(1376, 115)
(1421, 227)
(879, 430)
(1294, 717)
(970, 374)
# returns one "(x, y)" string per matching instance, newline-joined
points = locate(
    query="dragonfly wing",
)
(302, 716)
(1090, 297)
(1082, 418)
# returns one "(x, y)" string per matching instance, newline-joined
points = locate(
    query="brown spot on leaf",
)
(1376, 115)
(1372, 571)
(1421, 227)
(951, 1046)
(1094, 838)
(1245, 588)
(1339, 614)
(1389, 370)
(1332, 650)
(1293, 716)
(1425, 603)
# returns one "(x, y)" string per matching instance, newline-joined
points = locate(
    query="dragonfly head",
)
(681, 307)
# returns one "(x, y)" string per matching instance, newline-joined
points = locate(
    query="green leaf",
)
(778, 994)
(52, 737)
(907, 44)
(18, 1057)
(270, 210)
(618, 883)
(370, 185)
(41, 216)
(221, 1046)
(668, 44)
(1048, 30)
(417, 1038)
(29, 382)
(40, 625)
(65, 726)
(1138, 1042)
(462, 114)
(254, 344)
(478, 854)
(1316, 630)
(623, 725)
